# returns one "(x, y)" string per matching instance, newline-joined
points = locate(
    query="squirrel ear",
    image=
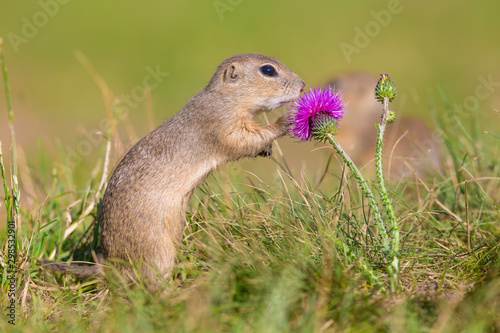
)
(231, 74)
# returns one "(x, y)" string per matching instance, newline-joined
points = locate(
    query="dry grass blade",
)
(95, 198)
(108, 96)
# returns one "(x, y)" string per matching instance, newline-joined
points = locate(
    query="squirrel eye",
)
(268, 70)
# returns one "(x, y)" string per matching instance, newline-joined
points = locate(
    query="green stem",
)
(11, 197)
(9, 108)
(393, 267)
(366, 191)
(8, 199)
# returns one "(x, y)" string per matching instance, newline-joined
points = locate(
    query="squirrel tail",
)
(76, 270)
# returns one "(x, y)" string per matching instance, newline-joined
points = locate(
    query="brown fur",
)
(143, 211)
(409, 146)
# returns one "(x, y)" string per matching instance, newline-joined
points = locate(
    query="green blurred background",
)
(422, 44)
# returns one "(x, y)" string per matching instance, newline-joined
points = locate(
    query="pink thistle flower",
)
(317, 105)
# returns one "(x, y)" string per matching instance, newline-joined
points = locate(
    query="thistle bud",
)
(385, 88)
(391, 117)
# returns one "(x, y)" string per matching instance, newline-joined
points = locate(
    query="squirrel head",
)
(256, 82)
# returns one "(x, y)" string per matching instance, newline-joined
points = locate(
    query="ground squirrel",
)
(409, 143)
(142, 216)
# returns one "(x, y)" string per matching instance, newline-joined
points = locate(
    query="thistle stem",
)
(365, 189)
(393, 267)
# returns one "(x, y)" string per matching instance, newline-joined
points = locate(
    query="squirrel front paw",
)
(284, 122)
(266, 152)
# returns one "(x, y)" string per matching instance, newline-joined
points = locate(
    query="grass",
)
(296, 255)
